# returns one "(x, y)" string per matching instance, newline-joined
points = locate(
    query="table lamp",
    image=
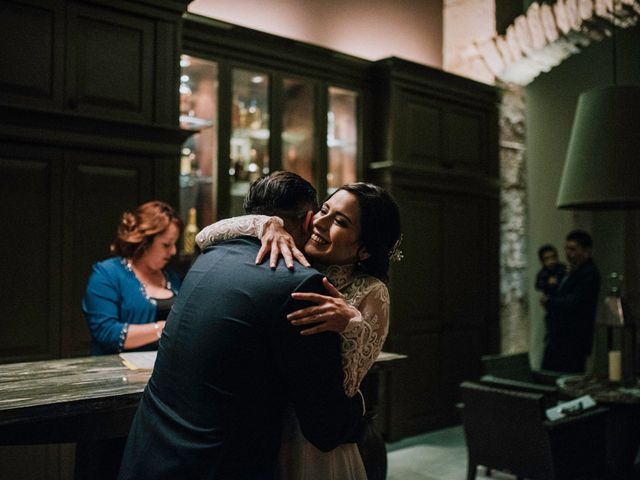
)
(602, 172)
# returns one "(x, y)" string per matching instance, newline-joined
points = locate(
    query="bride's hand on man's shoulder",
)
(280, 243)
(330, 314)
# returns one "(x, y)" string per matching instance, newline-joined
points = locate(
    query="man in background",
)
(571, 311)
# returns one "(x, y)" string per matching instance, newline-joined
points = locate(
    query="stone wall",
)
(514, 311)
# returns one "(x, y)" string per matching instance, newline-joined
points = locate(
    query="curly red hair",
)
(137, 230)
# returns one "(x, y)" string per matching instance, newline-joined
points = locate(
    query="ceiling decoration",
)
(550, 32)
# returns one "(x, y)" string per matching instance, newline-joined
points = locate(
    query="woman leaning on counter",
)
(129, 296)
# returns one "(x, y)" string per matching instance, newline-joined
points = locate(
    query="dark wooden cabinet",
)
(101, 59)
(30, 262)
(88, 128)
(93, 180)
(64, 207)
(436, 151)
(32, 55)
(110, 58)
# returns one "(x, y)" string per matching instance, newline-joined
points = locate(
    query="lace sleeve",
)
(362, 340)
(234, 227)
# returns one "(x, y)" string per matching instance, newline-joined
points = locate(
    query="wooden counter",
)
(68, 400)
(77, 399)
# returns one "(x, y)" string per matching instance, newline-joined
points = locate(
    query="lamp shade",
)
(602, 169)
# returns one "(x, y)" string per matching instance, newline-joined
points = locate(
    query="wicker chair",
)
(506, 430)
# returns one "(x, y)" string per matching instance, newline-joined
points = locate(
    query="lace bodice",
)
(365, 334)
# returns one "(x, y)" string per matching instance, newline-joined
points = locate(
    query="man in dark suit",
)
(571, 311)
(229, 361)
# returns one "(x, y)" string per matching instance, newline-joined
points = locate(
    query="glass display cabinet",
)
(199, 154)
(342, 137)
(265, 120)
(249, 143)
(298, 128)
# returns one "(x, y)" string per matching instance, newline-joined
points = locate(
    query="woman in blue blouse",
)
(129, 296)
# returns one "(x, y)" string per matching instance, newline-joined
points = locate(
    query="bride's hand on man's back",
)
(279, 242)
(330, 314)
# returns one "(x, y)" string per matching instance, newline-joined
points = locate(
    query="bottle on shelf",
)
(190, 232)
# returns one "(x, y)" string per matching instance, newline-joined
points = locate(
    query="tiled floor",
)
(440, 455)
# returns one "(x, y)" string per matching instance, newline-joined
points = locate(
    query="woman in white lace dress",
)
(355, 234)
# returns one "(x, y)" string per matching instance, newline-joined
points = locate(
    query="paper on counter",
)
(139, 360)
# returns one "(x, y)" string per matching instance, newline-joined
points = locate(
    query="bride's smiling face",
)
(336, 231)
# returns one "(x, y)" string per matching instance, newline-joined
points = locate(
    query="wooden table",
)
(92, 399)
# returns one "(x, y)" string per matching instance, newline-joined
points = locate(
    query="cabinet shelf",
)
(195, 124)
(253, 133)
(337, 143)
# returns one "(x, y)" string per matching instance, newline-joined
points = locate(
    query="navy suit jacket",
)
(571, 312)
(228, 363)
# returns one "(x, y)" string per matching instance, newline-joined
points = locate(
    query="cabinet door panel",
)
(441, 311)
(421, 134)
(31, 70)
(109, 63)
(414, 386)
(418, 282)
(462, 231)
(30, 261)
(465, 145)
(98, 189)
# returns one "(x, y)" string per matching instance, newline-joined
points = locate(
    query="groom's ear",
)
(308, 222)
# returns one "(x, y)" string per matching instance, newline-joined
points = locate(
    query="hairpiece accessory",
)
(395, 255)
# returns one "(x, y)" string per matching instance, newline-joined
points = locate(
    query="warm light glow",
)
(369, 29)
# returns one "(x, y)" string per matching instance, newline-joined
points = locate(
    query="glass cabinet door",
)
(342, 138)
(297, 142)
(199, 158)
(298, 128)
(249, 148)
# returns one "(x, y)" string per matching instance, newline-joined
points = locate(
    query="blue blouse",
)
(114, 299)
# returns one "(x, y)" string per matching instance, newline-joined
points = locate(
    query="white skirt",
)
(300, 460)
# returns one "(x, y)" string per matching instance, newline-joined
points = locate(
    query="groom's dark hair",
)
(281, 193)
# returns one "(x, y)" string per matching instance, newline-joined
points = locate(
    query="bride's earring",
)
(361, 256)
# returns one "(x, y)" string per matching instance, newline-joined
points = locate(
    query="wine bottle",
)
(190, 232)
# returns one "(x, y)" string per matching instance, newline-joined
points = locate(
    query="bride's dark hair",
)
(379, 226)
